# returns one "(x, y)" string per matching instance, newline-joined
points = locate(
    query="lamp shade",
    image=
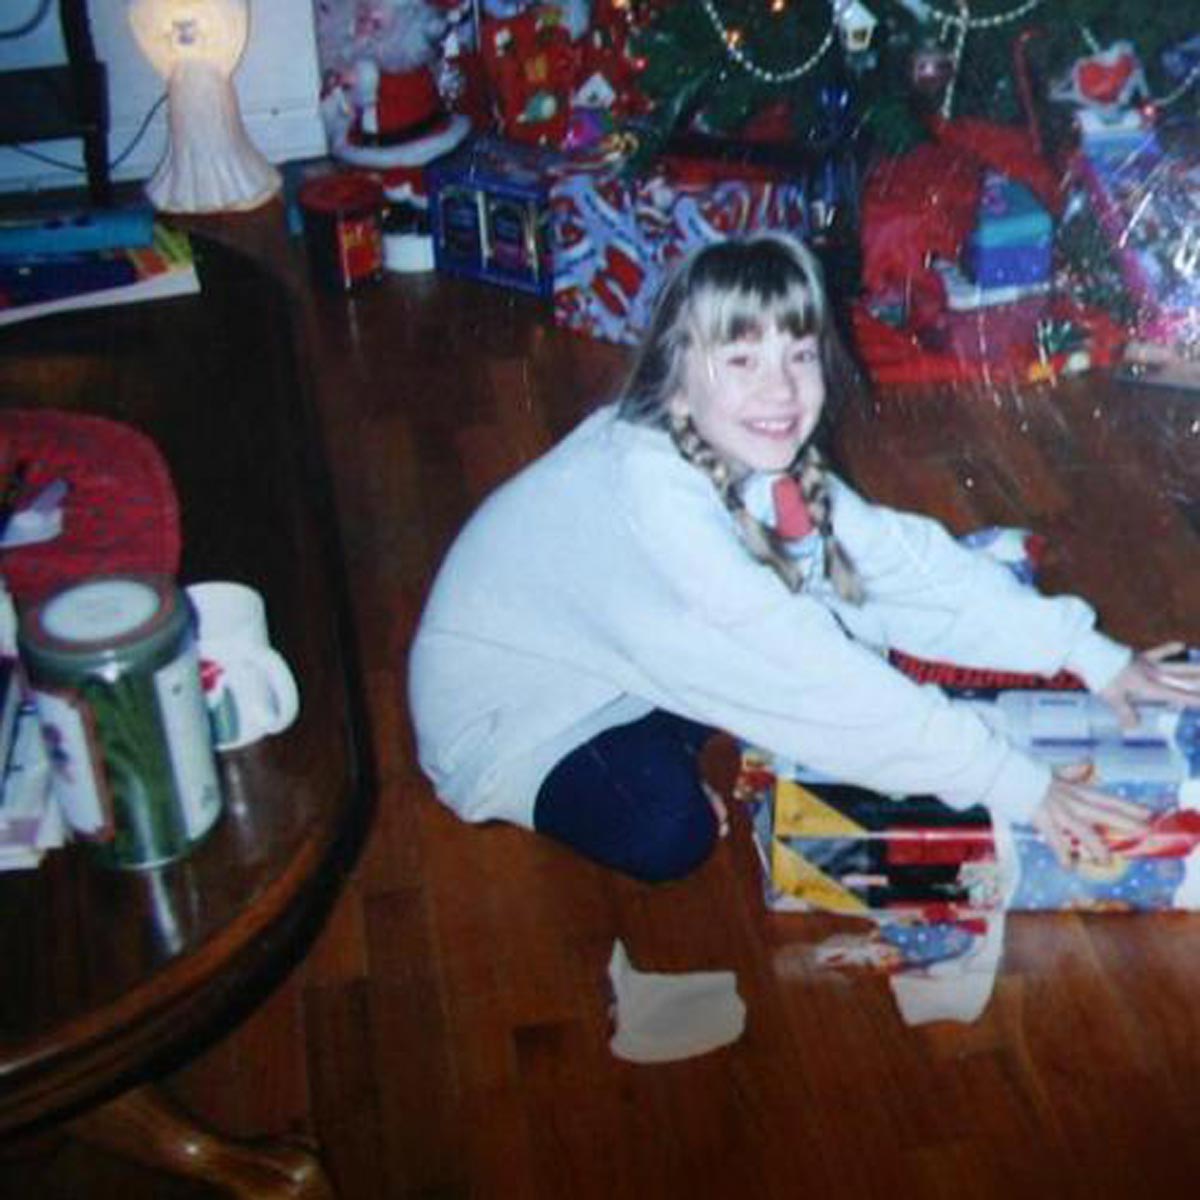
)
(210, 164)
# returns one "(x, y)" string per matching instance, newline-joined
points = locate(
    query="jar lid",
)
(342, 192)
(95, 621)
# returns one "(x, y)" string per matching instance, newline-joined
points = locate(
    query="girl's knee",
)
(676, 848)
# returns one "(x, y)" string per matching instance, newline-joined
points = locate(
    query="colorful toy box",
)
(1012, 243)
(615, 235)
(489, 210)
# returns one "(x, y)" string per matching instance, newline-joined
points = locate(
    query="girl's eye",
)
(737, 360)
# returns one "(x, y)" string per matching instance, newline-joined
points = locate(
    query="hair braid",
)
(810, 474)
(761, 540)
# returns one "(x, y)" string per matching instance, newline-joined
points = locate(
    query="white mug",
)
(248, 687)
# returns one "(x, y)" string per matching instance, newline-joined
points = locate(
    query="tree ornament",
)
(856, 25)
(962, 26)
(1109, 79)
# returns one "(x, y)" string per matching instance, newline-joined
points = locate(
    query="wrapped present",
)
(987, 322)
(848, 850)
(488, 213)
(995, 333)
(1013, 237)
(837, 848)
(1147, 198)
(615, 235)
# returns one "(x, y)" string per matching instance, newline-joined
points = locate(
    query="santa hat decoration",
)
(400, 120)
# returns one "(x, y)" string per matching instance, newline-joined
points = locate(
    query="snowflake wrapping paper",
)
(616, 235)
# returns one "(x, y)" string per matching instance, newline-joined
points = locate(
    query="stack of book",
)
(30, 820)
(88, 260)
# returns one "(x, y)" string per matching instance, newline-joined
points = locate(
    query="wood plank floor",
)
(447, 1035)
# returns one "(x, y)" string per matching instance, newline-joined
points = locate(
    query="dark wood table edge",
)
(268, 948)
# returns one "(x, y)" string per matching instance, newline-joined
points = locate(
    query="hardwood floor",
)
(447, 1035)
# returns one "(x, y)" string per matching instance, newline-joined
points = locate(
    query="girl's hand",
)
(1149, 677)
(1072, 817)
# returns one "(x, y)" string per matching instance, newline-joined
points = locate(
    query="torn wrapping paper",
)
(935, 882)
(953, 989)
(667, 1017)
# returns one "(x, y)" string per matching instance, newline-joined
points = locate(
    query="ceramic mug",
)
(248, 687)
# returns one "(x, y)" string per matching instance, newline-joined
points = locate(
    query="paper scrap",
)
(667, 1017)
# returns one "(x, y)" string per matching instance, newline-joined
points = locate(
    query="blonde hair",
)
(720, 293)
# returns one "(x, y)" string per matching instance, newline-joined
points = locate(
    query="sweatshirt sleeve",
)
(932, 597)
(792, 681)
(780, 671)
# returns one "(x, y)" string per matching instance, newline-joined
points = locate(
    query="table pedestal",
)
(144, 1126)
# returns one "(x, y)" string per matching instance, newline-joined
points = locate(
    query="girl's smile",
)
(755, 400)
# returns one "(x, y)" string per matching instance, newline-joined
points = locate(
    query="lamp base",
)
(210, 164)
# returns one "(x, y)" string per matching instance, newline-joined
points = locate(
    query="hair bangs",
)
(768, 285)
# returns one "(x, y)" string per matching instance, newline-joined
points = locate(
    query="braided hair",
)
(716, 295)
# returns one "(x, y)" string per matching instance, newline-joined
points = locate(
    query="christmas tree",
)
(719, 65)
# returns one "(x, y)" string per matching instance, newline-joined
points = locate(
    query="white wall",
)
(277, 82)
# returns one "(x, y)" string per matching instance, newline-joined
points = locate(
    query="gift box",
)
(1012, 241)
(988, 322)
(991, 334)
(489, 214)
(1147, 199)
(844, 849)
(837, 848)
(615, 235)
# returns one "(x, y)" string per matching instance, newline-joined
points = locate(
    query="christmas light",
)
(743, 60)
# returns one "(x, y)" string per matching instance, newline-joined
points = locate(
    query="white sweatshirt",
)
(608, 579)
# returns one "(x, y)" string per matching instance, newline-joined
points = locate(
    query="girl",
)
(629, 592)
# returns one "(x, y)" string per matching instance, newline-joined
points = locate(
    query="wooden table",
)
(111, 978)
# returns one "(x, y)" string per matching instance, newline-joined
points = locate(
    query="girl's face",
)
(755, 400)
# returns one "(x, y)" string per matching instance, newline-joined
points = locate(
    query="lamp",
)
(210, 163)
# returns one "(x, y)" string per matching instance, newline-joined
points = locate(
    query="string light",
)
(960, 24)
(966, 21)
(743, 60)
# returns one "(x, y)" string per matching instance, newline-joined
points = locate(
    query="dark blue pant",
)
(631, 799)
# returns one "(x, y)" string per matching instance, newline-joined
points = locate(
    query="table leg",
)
(144, 1126)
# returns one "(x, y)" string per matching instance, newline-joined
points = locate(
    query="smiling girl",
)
(685, 562)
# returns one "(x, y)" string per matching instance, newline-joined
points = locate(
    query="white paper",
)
(665, 1018)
